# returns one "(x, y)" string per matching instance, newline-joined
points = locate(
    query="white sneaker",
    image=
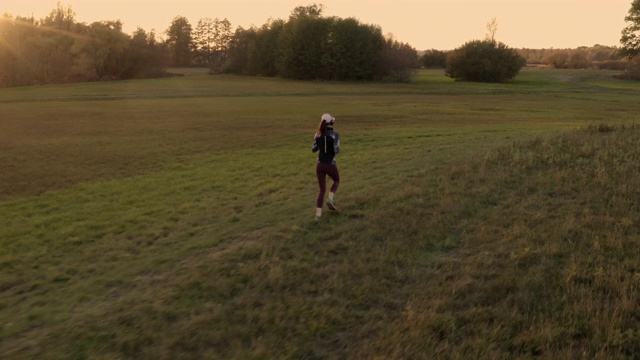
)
(331, 205)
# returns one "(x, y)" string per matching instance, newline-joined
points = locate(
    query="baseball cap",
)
(328, 118)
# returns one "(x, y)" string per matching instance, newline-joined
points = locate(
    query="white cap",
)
(328, 118)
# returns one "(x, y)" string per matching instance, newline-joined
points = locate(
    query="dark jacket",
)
(328, 144)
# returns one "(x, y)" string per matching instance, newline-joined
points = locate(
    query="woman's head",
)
(326, 121)
(328, 118)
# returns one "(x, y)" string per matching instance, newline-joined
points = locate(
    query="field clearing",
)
(104, 130)
(172, 218)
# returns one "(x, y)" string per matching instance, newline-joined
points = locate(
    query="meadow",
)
(174, 219)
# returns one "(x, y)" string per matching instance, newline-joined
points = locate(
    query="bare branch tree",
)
(492, 29)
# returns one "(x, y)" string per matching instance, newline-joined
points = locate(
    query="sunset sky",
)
(424, 24)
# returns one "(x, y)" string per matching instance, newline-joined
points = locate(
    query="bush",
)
(570, 59)
(633, 69)
(557, 59)
(484, 61)
(578, 60)
(612, 65)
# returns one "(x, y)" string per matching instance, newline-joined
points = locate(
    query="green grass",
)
(173, 218)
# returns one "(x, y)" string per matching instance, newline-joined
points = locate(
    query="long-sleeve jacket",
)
(328, 145)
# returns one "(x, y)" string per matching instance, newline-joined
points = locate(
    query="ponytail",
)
(322, 128)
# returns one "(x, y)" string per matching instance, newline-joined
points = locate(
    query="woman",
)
(327, 143)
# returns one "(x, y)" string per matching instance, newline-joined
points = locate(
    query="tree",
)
(311, 47)
(301, 43)
(53, 54)
(558, 59)
(179, 41)
(15, 68)
(302, 47)
(203, 41)
(239, 50)
(492, 29)
(107, 49)
(57, 49)
(630, 41)
(633, 69)
(221, 38)
(484, 61)
(145, 57)
(397, 61)
(350, 52)
(630, 38)
(578, 60)
(434, 59)
(313, 10)
(211, 40)
(264, 52)
(62, 18)
(39, 52)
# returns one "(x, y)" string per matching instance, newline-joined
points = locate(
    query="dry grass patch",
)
(543, 259)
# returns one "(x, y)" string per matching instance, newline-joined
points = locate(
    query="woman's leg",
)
(322, 184)
(334, 174)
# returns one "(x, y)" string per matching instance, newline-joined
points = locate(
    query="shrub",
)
(612, 65)
(578, 60)
(633, 69)
(557, 59)
(569, 59)
(484, 61)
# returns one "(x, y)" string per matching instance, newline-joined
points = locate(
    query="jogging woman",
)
(327, 143)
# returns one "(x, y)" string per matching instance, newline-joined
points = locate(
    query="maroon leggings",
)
(322, 170)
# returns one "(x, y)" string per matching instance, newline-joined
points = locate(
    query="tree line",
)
(306, 46)
(595, 57)
(59, 49)
(309, 46)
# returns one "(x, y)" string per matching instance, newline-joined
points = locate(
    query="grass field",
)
(173, 219)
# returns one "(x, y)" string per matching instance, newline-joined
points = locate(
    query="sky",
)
(423, 24)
